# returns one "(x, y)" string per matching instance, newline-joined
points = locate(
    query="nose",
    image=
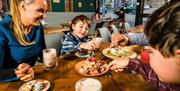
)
(44, 15)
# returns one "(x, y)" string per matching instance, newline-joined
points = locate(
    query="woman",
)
(21, 39)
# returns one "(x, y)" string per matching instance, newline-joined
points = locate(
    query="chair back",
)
(105, 34)
(53, 40)
(127, 27)
(114, 28)
(92, 28)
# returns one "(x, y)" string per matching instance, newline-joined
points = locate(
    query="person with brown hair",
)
(163, 34)
(77, 38)
(21, 39)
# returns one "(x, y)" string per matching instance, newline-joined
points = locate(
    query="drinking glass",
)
(50, 58)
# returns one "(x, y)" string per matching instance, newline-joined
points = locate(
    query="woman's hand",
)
(88, 45)
(119, 64)
(119, 39)
(24, 72)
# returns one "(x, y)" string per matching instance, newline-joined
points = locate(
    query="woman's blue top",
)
(12, 53)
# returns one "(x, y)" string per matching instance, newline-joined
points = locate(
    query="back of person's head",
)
(163, 28)
(80, 18)
(121, 13)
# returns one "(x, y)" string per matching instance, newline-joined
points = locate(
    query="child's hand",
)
(118, 64)
(88, 45)
(24, 72)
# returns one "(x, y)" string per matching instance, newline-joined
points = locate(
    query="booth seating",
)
(53, 40)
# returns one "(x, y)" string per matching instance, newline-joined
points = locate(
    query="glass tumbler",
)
(50, 58)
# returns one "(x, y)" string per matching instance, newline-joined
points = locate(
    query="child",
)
(76, 39)
(163, 33)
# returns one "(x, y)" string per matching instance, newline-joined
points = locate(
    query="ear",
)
(22, 6)
(72, 26)
(177, 54)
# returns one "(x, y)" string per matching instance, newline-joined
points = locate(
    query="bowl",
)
(88, 84)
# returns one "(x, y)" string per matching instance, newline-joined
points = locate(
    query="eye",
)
(41, 10)
(87, 28)
(81, 26)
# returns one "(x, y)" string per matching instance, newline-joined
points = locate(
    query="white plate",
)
(28, 85)
(118, 52)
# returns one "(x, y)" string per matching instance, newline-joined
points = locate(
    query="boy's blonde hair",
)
(163, 28)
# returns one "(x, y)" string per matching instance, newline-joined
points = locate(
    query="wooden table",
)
(55, 29)
(63, 25)
(65, 76)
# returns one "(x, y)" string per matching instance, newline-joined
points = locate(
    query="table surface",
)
(55, 29)
(64, 77)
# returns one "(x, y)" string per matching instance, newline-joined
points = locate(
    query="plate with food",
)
(35, 85)
(88, 84)
(84, 53)
(118, 52)
(92, 67)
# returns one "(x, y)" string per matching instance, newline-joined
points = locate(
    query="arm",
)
(129, 39)
(137, 39)
(133, 64)
(5, 74)
(68, 45)
(9, 74)
(140, 68)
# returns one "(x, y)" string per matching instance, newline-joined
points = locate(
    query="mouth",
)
(82, 34)
(38, 19)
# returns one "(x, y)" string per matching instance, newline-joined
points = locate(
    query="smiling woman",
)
(21, 30)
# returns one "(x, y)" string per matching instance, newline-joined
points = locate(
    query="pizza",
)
(35, 85)
(92, 67)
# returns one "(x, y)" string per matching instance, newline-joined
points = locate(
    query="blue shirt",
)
(12, 53)
(71, 43)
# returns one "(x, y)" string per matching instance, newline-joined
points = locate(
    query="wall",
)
(54, 19)
(73, 5)
(84, 5)
(58, 7)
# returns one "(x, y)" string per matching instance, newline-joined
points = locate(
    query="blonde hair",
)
(16, 21)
